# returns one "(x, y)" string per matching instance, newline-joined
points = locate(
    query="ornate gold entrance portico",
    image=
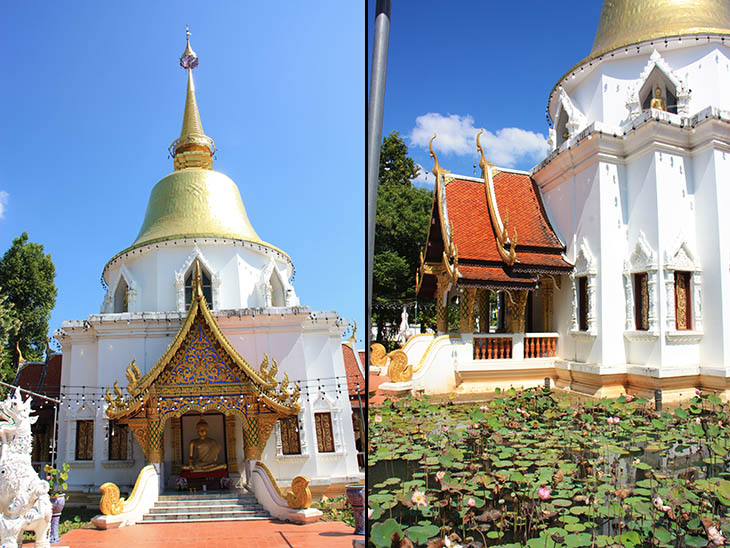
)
(201, 371)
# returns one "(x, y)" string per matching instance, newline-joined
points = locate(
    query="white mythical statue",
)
(24, 501)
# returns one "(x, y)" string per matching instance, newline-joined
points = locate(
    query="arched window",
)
(121, 303)
(277, 291)
(207, 287)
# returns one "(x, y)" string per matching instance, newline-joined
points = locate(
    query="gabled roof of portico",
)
(200, 361)
(490, 232)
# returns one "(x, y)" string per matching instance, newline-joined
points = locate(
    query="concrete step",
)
(195, 520)
(233, 514)
(194, 509)
(198, 502)
(215, 506)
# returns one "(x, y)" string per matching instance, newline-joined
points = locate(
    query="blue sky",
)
(455, 67)
(93, 95)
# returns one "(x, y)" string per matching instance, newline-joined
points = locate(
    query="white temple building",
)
(634, 192)
(233, 346)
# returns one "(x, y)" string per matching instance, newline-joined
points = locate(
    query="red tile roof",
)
(519, 206)
(355, 378)
(42, 377)
(519, 202)
(466, 206)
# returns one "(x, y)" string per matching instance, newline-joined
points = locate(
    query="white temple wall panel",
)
(711, 170)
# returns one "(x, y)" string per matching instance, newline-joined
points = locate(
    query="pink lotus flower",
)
(629, 398)
(698, 392)
(471, 502)
(419, 498)
(378, 419)
(698, 421)
(370, 513)
(440, 475)
(659, 504)
(468, 426)
(445, 428)
(613, 420)
(715, 536)
(543, 493)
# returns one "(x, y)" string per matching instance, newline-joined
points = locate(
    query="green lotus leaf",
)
(381, 533)
(422, 533)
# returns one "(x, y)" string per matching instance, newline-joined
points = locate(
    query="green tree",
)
(401, 225)
(26, 278)
(9, 321)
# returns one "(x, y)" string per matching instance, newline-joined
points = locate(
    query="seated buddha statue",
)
(203, 452)
(658, 102)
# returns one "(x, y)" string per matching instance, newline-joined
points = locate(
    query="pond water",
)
(535, 468)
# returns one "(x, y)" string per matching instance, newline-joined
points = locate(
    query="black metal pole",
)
(375, 134)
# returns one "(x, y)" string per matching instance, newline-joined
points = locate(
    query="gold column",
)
(256, 432)
(231, 444)
(251, 437)
(547, 308)
(155, 431)
(176, 425)
(139, 429)
(442, 313)
(516, 306)
(466, 310)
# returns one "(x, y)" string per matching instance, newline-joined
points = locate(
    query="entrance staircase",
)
(174, 507)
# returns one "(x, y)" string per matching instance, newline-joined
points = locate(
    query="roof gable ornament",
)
(500, 228)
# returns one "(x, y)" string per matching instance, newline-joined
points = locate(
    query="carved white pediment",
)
(643, 257)
(265, 286)
(656, 61)
(215, 278)
(683, 258)
(577, 121)
(585, 262)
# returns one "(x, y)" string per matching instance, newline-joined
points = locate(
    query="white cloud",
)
(423, 177)
(3, 202)
(457, 135)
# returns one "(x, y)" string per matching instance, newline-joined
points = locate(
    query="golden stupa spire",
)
(194, 148)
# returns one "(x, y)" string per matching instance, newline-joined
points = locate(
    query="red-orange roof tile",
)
(468, 213)
(355, 378)
(520, 204)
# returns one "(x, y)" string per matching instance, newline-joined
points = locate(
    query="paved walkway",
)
(228, 534)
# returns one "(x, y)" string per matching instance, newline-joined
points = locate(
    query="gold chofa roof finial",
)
(194, 148)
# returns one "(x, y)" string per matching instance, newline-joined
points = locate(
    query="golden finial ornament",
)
(353, 338)
(436, 169)
(194, 148)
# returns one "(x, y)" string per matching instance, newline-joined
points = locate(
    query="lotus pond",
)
(540, 469)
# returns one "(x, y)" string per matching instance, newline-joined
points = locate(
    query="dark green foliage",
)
(26, 279)
(401, 226)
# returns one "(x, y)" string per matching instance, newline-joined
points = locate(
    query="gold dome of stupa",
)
(194, 201)
(627, 22)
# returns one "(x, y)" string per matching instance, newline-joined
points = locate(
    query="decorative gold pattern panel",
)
(84, 440)
(323, 426)
(231, 444)
(118, 436)
(682, 300)
(290, 444)
(200, 364)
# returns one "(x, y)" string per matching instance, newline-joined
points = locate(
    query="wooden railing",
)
(540, 346)
(518, 346)
(492, 348)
